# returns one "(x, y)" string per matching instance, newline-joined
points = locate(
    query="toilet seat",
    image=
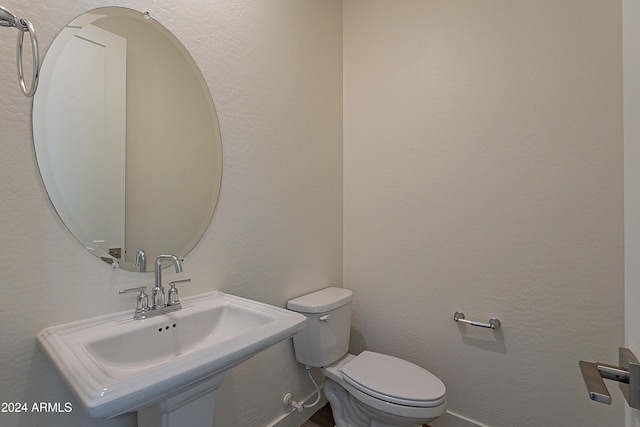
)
(394, 380)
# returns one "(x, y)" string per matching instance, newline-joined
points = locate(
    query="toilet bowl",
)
(386, 389)
(369, 389)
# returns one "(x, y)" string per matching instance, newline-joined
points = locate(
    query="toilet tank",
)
(325, 338)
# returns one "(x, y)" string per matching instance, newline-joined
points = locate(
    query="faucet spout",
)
(141, 260)
(158, 290)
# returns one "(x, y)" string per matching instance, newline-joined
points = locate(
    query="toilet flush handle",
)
(324, 317)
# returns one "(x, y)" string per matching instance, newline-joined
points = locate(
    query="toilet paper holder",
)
(627, 374)
(494, 323)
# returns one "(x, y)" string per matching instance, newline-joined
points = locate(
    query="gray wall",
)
(483, 173)
(275, 72)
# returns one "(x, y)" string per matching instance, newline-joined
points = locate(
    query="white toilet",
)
(370, 389)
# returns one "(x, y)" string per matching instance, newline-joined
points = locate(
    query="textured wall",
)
(275, 72)
(483, 173)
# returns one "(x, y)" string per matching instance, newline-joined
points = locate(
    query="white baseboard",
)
(293, 418)
(451, 419)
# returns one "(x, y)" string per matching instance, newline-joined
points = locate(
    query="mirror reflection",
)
(126, 137)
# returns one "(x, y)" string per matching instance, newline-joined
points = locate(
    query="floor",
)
(322, 418)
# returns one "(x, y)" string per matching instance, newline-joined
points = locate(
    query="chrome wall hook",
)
(9, 19)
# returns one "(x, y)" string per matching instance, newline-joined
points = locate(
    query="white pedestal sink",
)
(169, 367)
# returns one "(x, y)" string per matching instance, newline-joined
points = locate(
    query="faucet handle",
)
(173, 291)
(142, 302)
(131, 290)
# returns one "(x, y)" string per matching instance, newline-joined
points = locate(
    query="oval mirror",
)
(126, 137)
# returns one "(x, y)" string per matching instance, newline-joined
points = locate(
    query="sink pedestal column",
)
(191, 407)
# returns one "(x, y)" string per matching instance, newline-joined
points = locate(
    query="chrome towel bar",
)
(493, 322)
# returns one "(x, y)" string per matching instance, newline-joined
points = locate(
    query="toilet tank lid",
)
(321, 301)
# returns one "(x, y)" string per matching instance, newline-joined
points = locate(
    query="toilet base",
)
(349, 412)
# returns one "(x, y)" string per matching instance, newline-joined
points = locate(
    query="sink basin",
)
(114, 364)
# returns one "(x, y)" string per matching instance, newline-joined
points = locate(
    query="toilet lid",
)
(394, 380)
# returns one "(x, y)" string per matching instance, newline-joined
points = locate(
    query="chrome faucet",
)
(158, 290)
(141, 260)
(158, 303)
